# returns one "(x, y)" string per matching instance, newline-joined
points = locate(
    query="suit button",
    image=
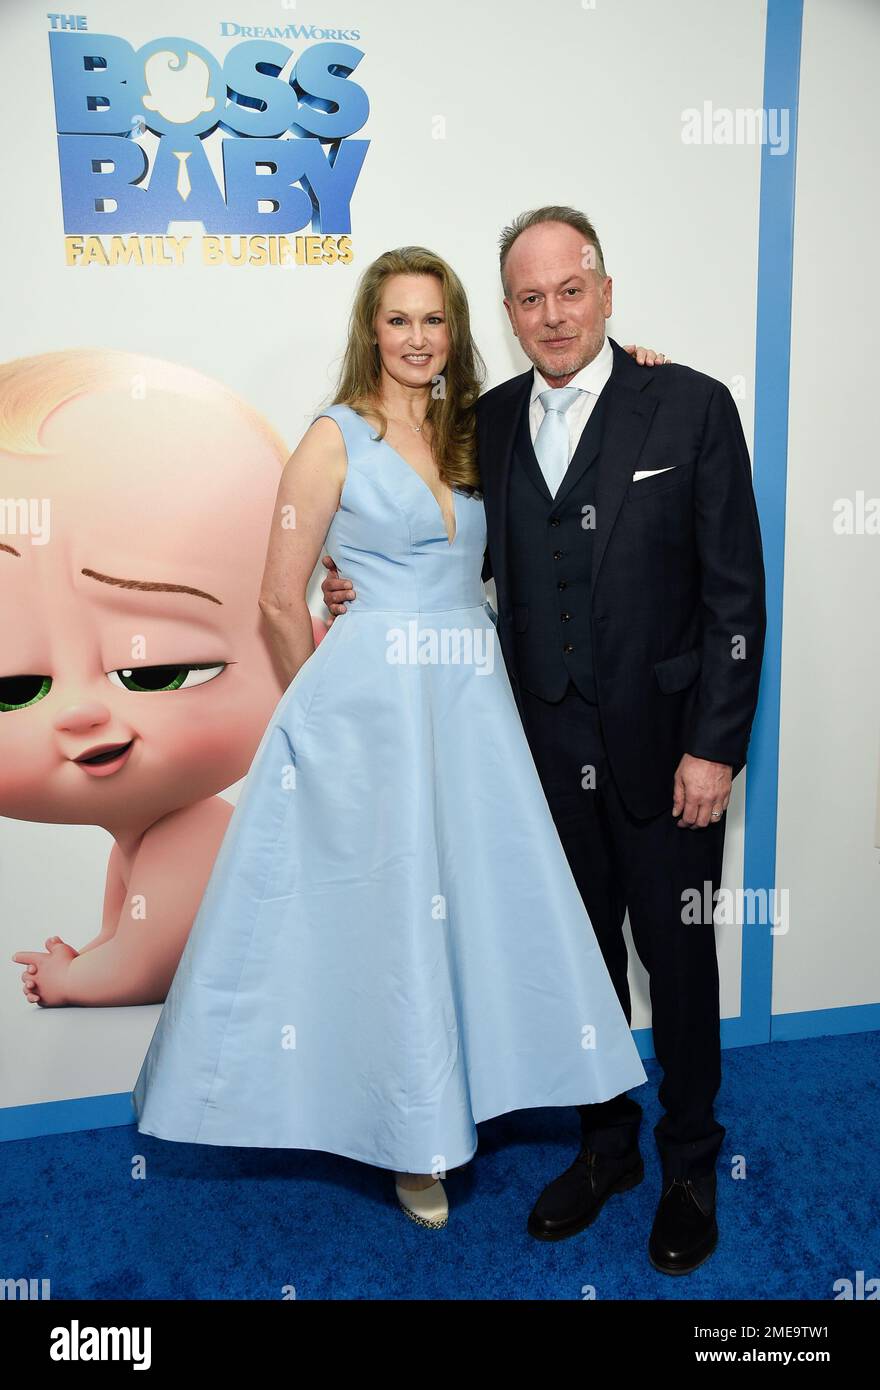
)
(554, 521)
(562, 584)
(569, 647)
(566, 617)
(557, 554)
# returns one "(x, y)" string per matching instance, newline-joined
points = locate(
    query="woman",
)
(391, 947)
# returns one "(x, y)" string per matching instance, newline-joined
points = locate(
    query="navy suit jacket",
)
(678, 611)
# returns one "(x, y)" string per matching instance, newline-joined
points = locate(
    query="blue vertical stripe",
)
(782, 60)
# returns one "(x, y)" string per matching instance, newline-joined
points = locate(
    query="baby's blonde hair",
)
(32, 387)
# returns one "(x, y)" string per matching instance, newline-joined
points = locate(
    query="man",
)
(624, 542)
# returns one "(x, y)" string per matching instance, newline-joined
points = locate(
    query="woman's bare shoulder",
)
(323, 436)
(320, 454)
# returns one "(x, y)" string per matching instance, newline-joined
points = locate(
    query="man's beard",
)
(583, 351)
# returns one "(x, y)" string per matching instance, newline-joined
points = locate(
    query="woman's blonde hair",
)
(451, 410)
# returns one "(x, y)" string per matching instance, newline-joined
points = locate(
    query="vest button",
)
(565, 617)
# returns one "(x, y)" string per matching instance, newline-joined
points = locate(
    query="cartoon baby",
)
(136, 676)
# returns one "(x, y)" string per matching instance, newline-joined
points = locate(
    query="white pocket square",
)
(652, 472)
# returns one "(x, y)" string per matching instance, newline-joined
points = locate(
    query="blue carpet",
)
(212, 1223)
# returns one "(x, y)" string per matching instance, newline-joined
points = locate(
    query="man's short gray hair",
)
(570, 216)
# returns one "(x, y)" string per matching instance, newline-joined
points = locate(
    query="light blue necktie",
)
(552, 440)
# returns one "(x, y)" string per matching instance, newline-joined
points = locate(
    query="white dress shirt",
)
(590, 379)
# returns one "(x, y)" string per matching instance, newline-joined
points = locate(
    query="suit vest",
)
(551, 555)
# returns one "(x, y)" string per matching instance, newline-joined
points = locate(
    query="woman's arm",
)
(308, 496)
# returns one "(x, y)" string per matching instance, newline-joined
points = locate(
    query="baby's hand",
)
(45, 979)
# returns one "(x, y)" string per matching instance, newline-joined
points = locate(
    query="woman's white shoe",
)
(427, 1207)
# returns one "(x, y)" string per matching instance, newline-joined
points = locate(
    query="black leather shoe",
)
(572, 1201)
(685, 1231)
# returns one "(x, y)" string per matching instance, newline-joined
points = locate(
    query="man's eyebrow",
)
(561, 285)
(11, 549)
(150, 585)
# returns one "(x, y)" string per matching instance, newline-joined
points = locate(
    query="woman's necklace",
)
(417, 428)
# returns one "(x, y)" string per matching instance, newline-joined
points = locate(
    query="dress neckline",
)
(409, 468)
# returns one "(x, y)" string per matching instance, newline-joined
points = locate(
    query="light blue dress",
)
(391, 946)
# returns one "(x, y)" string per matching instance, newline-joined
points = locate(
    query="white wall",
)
(554, 103)
(827, 853)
